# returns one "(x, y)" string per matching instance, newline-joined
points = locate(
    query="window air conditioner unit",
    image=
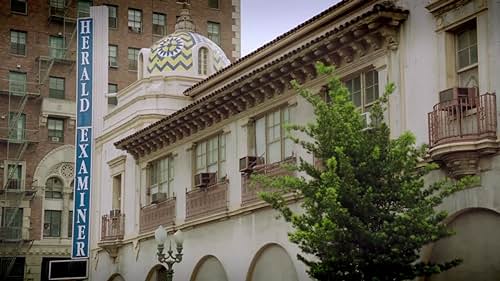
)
(367, 120)
(247, 163)
(55, 139)
(456, 95)
(157, 197)
(115, 213)
(203, 180)
(134, 29)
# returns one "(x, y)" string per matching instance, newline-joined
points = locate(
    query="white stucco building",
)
(170, 150)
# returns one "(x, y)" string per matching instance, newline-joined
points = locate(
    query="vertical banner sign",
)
(83, 179)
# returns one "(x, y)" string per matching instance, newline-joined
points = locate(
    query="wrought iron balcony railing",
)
(463, 119)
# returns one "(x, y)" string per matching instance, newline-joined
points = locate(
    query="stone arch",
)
(475, 241)
(272, 262)
(156, 272)
(58, 162)
(116, 277)
(209, 268)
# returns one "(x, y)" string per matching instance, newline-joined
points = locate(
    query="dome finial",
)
(184, 21)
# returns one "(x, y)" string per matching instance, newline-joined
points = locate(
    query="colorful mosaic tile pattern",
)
(175, 53)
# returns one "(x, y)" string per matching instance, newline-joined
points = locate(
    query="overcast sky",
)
(264, 20)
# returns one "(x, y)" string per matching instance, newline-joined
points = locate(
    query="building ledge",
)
(462, 158)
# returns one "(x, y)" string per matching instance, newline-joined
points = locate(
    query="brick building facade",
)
(37, 108)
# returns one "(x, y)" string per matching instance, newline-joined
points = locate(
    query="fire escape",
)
(17, 193)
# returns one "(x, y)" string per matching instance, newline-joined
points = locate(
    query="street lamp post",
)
(169, 258)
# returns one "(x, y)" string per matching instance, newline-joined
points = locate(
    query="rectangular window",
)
(159, 24)
(112, 89)
(466, 56)
(56, 87)
(214, 32)
(17, 126)
(12, 222)
(210, 156)
(117, 192)
(113, 56)
(19, 6)
(14, 176)
(270, 141)
(112, 16)
(55, 129)
(133, 54)
(363, 89)
(56, 8)
(135, 20)
(84, 8)
(17, 83)
(18, 42)
(56, 47)
(70, 223)
(214, 4)
(52, 224)
(161, 176)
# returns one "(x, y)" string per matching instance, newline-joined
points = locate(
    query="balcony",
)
(249, 191)
(461, 131)
(11, 233)
(17, 188)
(154, 215)
(112, 232)
(112, 227)
(203, 202)
(18, 136)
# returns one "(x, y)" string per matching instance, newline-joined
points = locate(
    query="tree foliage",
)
(366, 213)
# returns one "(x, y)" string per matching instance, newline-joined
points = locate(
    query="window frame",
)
(20, 174)
(52, 234)
(203, 60)
(55, 132)
(473, 66)
(156, 180)
(362, 75)
(110, 47)
(51, 190)
(285, 143)
(216, 7)
(56, 52)
(112, 100)
(14, 84)
(214, 36)
(18, 12)
(79, 11)
(19, 135)
(131, 23)
(164, 26)
(202, 149)
(136, 59)
(5, 218)
(110, 8)
(24, 49)
(54, 92)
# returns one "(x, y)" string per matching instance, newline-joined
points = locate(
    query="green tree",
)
(366, 213)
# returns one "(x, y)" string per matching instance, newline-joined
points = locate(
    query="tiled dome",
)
(178, 52)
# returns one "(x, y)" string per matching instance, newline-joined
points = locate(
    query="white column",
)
(100, 70)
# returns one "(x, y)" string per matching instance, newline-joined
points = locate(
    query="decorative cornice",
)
(439, 7)
(369, 32)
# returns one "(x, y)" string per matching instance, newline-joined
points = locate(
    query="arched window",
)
(203, 61)
(53, 188)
